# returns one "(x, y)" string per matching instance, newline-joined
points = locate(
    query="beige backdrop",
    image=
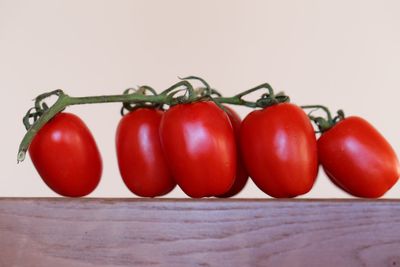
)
(344, 54)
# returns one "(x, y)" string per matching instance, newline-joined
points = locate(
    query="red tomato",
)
(140, 157)
(358, 159)
(199, 145)
(241, 173)
(280, 150)
(66, 156)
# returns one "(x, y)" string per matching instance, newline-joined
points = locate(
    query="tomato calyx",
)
(39, 107)
(266, 99)
(324, 123)
(167, 96)
(269, 99)
(205, 93)
(131, 106)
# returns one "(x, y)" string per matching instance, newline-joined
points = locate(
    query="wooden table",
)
(183, 232)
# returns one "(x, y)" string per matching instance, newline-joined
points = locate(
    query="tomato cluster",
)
(205, 148)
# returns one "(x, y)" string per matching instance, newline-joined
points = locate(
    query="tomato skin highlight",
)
(66, 156)
(199, 145)
(279, 149)
(141, 160)
(241, 173)
(357, 158)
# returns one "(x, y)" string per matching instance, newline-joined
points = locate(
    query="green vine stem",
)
(42, 113)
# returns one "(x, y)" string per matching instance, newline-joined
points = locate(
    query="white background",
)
(344, 54)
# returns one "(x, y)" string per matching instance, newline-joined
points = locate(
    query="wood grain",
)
(171, 232)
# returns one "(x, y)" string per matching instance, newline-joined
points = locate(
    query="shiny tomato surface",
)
(279, 149)
(241, 173)
(358, 159)
(199, 145)
(140, 157)
(65, 154)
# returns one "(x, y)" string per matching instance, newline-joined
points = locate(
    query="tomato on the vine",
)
(205, 149)
(241, 173)
(199, 145)
(66, 156)
(280, 150)
(140, 157)
(358, 159)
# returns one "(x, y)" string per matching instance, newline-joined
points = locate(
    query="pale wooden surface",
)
(137, 232)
